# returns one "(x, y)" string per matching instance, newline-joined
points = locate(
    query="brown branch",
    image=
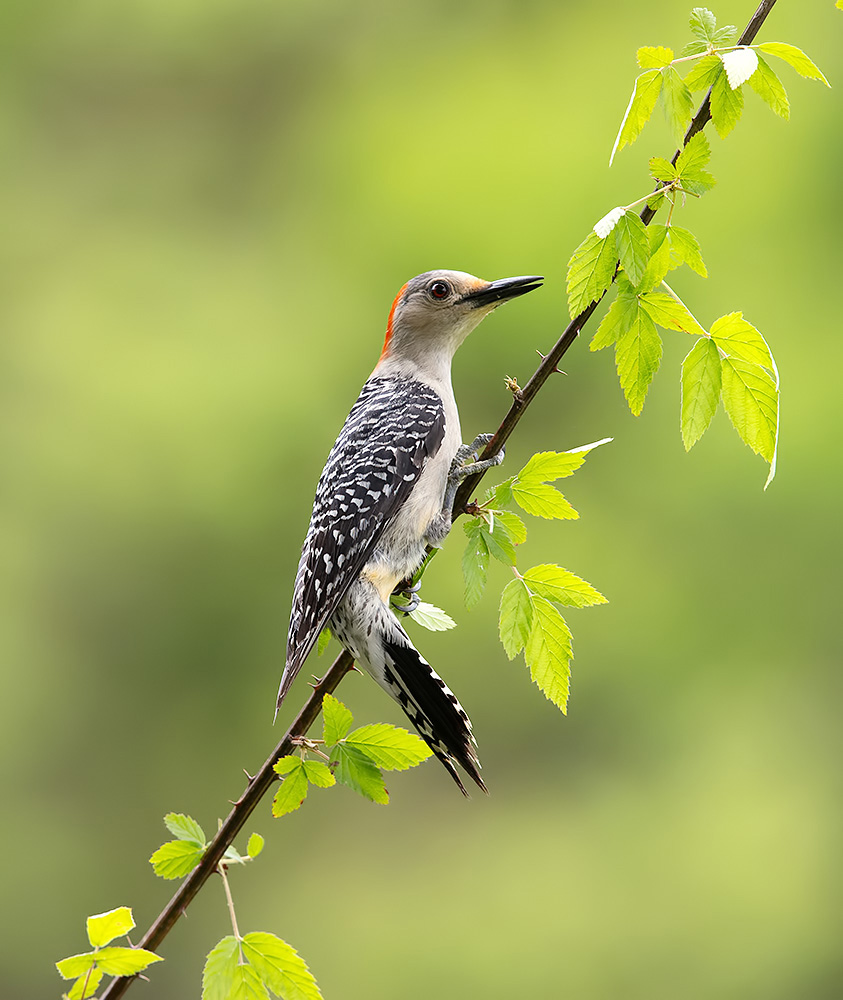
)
(264, 779)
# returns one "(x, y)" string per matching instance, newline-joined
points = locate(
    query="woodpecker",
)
(386, 493)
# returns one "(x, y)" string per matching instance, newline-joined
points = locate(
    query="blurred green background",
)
(208, 208)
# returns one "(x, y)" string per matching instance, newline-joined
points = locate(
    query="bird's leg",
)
(410, 591)
(461, 468)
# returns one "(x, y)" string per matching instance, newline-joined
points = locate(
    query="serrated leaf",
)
(654, 56)
(254, 845)
(750, 396)
(701, 380)
(432, 618)
(645, 93)
(280, 966)
(357, 770)
(694, 156)
(561, 586)
(105, 927)
(724, 36)
(247, 985)
(739, 64)
(661, 261)
(323, 640)
(542, 500)
(286, 765)
(726, 105)
(319, 774)
(475, 564)
(548, 652)
(677, 102)
(220, 967)
(125, 961)
(686, 247)
(770, 89)
(670, 313)
(388, 746)
(76, 965)
(336, 720)
(185, 828)
(498, 541)
(694, 48)
(662, 170)
(617, 321)
(85, 986)
(637, 356)
(633, 246)
(292, 791)
(703, 24)
(501, 495)
(590, 272)
(548, 466)
(704, 73)
(513, 524)
(656, 200)
(516, 617)
(738, 338)
(176, 858)
(796, 58)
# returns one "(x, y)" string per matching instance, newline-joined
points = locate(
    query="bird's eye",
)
(440, 289)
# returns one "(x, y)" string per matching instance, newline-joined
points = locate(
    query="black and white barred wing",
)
(393, 428)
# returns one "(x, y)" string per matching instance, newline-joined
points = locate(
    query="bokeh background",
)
(208, 207)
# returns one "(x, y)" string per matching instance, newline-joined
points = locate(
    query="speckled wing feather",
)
(393, 428)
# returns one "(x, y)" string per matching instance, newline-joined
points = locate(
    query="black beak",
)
(503, 289)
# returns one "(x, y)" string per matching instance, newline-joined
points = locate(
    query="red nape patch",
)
(389, 321)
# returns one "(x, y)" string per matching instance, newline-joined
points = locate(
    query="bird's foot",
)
(410, 592)
(465, 464)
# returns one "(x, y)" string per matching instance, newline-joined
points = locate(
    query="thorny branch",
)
(265, 778)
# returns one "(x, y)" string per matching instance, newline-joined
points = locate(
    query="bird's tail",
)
(431, 706)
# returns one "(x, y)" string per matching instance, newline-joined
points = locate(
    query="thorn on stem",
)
(556, 371)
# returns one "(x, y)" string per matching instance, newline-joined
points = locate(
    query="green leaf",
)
(125, 961)
(751, 398)
(76, 965)
(561, 586)
(770, 89)
(637, 356)
(687, 249)
(255, 845)
(796, 58)
(661, 259)
(548, 466)
(724, 36)
(293, 789)
(336, 720)
(185, 828)
(542, 500)
(280, 967)
(695, 48)
(220, 968)
(105, 927)
(516, 617)
(389, 747)
(286, 765)
(670, 313)
(645, 93)
(701, 380)
(85, 986)
(513, 524)
(498, 540)
(357, 770)
(590, 272)
(633, 246)
(726, 105)
(738, 338)
(677, 102)
(475, 564)
(662, 170)
(319, 774)
(704, 73)
(432, 618)
(548, 652)
(323, 640)
(247, 985)
(176, 858)
(617, 321)
(703, 24)
(654, 57)
(694, 156)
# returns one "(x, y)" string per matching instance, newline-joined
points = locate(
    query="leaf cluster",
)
(255, 967)
(530, 619)
(89, 967)
(356, 759)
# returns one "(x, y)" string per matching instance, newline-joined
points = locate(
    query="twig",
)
(264, 779)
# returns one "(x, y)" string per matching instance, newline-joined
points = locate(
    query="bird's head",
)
(435, 311)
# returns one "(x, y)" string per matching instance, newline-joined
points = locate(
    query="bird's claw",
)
(410, 591)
